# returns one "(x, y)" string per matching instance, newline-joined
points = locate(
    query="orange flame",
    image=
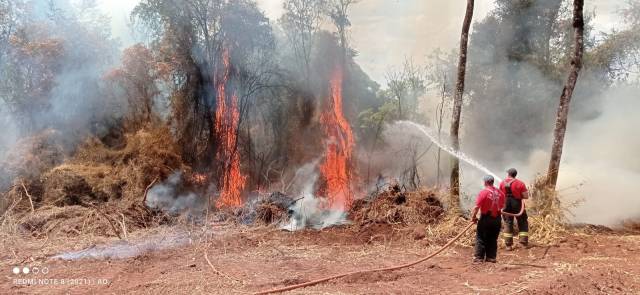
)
(337, 166)
(227, 120)
(199, 179)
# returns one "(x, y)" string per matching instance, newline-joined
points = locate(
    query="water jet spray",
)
(456, 153)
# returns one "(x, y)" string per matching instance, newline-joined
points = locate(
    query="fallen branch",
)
(113, 227)
(13, 205)
(146, 191)
(124, 226)
(518, 291)
(526, 264)
(474, 288)
(28, 195)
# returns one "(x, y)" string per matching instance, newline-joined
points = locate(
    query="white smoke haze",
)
(127, 249)
(599, 169)
(602, 154)
(75, 106)
(168, 197)
(311, 211)
(399, 152)
(407, 143)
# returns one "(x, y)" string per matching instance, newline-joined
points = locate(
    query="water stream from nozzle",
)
(456, 153)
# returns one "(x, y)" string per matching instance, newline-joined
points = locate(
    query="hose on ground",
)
(322, 280)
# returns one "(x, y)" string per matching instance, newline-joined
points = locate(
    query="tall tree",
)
(339, 15)
(567, 92)
(517, 56)
(301, 21)
(454, 201)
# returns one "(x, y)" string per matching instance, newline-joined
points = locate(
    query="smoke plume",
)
(311, 211)
(600, 165)
(168, 197)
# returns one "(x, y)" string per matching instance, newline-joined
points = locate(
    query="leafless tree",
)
(405, 86)
(457, 108)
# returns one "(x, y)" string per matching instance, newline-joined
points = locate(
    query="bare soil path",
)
(244, 260)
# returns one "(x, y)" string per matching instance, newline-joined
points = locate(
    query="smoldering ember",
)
(319, 147)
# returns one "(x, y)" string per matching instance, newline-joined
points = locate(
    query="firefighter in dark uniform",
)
(489, 203)
(515, 192)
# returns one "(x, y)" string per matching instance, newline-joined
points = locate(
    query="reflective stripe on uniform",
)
(507, 235)
(523, 234)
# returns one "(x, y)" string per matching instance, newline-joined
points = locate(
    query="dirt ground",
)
(249, 259)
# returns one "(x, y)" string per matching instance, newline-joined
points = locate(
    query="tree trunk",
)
(567, 92)
(439, 114)
(454, 198)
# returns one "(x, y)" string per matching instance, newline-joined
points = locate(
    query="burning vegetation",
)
(337, 168)
(226, 115)
(227, 120)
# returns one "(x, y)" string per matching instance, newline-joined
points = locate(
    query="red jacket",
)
(490, 200)
(517, 187)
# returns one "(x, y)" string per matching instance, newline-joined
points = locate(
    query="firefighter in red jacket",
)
(489, 203)
(515, 191)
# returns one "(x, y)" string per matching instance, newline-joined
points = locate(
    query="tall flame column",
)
(337, 166)
(232, 180)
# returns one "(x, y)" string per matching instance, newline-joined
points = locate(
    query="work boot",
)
(492, 260)
(508, 242)
(524, 241)
(477, 260)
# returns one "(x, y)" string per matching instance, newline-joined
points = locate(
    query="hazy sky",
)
(385, 32)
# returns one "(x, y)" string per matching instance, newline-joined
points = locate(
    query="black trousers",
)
(514, 205)
(487, 237)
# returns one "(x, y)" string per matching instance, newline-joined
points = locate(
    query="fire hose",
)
(515, 215)
(391, 268)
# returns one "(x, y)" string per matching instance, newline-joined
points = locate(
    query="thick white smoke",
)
(602, 155)
(168, 197)
(311, 211)
(600, 166)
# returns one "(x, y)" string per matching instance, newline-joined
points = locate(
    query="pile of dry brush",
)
(547, 215)
(397, 207)
(98, 190)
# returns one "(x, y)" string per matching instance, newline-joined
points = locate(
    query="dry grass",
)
(98, 191)
(633, 226)
(548, 221)
(447, 228)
